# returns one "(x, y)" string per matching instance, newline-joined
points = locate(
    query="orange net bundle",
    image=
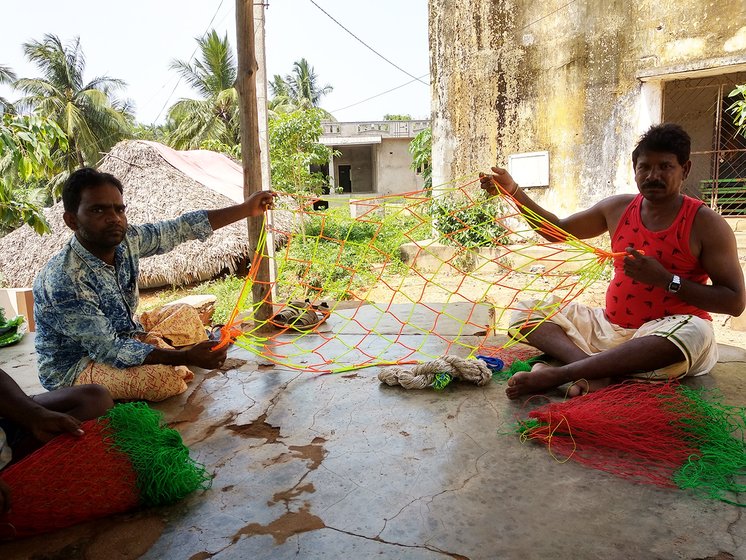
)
(446, 266)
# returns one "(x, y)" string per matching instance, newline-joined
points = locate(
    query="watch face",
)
(675, 284)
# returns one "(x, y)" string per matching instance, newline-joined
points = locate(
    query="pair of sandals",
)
(301, 316)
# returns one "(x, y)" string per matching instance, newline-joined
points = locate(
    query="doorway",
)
(345, 178)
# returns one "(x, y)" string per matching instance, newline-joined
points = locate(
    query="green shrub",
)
(468, 224)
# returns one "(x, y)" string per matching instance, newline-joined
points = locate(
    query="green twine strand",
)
(522, 428)
(441, 381)
(717, 430)
(515, 367)
(165, 472)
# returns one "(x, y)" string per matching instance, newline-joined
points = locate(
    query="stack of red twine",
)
(633, 430)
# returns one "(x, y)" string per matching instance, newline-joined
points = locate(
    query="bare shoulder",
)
(615, 203)
(613, 207)
(709, 226)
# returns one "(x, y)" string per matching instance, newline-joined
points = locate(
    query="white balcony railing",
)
(400, 129)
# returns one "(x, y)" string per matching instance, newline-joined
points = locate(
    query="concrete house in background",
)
(560, 92)
(373, 156)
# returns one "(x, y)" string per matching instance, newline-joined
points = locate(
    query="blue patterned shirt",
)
(84, 307)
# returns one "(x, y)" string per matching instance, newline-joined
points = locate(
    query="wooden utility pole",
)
(250, 153)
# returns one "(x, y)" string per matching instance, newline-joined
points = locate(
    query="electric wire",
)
(380, 94)
(366, 45)
(168, 100)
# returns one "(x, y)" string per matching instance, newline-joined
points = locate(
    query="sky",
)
(136, 40)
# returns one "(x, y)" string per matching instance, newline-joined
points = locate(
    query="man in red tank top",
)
(656, 324)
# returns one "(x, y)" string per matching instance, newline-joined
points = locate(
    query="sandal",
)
(301, 316)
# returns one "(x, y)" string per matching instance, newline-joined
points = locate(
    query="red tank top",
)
(629, 303)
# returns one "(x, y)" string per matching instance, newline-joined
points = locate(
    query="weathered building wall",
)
(580, 79)
(394, 167)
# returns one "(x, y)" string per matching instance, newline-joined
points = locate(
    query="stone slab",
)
(19, 361)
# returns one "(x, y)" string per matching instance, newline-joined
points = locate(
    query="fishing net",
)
(447, 268)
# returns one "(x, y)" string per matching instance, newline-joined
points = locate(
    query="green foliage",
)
(92, 118)
(293, 148)
(338, 256)
(397, 117)
(215, 117)
(152, 132)
(10, 329)
(738, 108)
(469, 224)
(29, 156)
(422, 156)
(233, 151)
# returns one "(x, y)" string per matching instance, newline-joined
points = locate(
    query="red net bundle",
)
(68, 481)
(664, 434)
(629, 430)
(124, 460)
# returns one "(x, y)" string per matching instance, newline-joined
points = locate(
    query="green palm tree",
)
(281, 102)
(89, 113)
(7, 76)
(298, 90)
(214, 118)
(303, 86)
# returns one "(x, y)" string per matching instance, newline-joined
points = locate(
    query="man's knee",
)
(162, 392)
(94, 399)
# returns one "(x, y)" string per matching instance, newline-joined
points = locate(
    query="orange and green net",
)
(398, 279)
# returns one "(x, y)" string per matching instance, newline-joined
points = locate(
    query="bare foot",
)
(541, 377)
(584, 386)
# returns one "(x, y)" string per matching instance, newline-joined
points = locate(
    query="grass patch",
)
(336, 256)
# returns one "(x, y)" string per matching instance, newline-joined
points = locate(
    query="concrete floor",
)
(333, 466)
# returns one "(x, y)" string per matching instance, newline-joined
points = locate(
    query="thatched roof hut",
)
(153, 190)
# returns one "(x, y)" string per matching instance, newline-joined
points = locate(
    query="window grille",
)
(700, 105)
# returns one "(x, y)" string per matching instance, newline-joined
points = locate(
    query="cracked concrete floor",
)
(310, 466)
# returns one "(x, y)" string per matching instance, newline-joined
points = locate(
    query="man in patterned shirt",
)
(656, 324)
(86, 295)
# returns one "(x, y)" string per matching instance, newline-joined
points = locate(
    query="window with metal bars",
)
(718, 173)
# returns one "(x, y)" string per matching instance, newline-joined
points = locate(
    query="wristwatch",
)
(675, 284)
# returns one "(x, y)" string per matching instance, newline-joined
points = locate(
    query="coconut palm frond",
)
(7, 76)
(86, 110)
(215, 117)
